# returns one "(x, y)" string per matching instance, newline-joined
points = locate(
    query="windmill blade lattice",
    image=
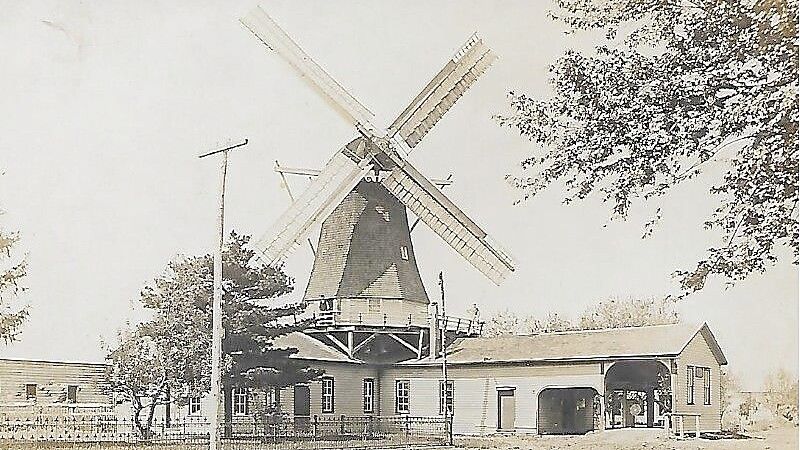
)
(267, 31)
(330, 187)
(441, 93)
(428, 203)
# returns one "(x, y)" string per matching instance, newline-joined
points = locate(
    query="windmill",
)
(364, 261)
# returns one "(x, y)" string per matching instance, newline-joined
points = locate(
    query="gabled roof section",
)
(310, 348)
(711, 340)
(632, 342)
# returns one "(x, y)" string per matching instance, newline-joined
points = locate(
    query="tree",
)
(144, 369)
(730, 389)
(781, 390)
(677, 86)
(180, 330)
(611, 313)
(12, 270)
(633, 312)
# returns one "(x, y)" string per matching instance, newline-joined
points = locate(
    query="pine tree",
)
(180, 330)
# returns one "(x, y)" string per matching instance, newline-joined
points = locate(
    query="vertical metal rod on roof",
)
(216, 315)
(448, 426)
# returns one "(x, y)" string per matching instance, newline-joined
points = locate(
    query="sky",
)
(107, 104)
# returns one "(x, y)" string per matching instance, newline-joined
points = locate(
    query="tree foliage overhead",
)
(12, 270)
(173, 349)
(678, 85)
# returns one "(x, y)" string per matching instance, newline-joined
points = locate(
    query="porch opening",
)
(638, 394)
(567, 410)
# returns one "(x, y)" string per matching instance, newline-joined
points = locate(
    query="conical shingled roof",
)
(365, 250)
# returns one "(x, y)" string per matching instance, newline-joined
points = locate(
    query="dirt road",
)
(775, 439)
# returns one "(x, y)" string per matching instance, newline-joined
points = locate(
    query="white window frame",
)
(706, 386)
(195, 406)
(690, 385)
(240, 400)
(369, 395)
(446, 397)
(328, 395)
(402, 396)
(271, 398)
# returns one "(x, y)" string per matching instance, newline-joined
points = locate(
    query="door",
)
(302, 407)
(506, 409)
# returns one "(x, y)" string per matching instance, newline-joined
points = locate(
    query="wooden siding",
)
(697, 353)
(52, 379)
(475, 391)
(348, 390)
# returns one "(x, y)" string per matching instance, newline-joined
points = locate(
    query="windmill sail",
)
(267, 31)
(440, 214)
(330, 187)
(443, 91)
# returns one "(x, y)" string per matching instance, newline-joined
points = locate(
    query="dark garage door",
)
(566, 411)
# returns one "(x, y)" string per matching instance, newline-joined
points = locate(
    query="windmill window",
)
(374, 305)
(404, 252)
(380, 209)
(72, 394)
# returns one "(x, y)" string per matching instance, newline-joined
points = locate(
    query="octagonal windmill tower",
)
(365, 285)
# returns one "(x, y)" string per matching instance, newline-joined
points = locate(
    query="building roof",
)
(310, 348)
(660, 340)
(53, 361)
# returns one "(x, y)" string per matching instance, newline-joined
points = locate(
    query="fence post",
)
(341, 424)
(449, 426)
(314, 427)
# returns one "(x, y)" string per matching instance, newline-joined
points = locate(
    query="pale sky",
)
(107, 103)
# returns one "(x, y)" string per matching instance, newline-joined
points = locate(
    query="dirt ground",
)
(775, 439)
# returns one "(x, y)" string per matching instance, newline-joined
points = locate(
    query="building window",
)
(30, 391)
(404, 252)
(327, 395)
(72, 393)
(706, 386)
(402, 396)
(240, 401)
(446, 397)
(689, 385)
(369, 395)
(194, 406)
(272, 399)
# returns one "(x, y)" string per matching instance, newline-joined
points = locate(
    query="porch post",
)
(650, 407)
(602, 412)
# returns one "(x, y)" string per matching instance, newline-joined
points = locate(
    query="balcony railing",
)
(458, 325)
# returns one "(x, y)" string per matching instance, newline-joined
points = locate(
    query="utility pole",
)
(216, 314)
(448, 425)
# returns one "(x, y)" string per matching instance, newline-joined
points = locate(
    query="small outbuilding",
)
(570, 382)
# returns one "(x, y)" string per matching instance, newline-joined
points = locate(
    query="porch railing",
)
(243, 434)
